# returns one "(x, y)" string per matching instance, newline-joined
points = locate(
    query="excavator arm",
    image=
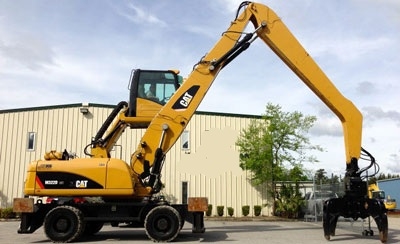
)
(167, 126)
(269, 27)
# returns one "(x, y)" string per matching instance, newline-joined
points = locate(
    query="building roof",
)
(77, 105)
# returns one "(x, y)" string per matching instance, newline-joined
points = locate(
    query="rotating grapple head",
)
(355, 202)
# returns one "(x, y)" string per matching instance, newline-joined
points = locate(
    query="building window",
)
(184, 192)
(185, 141)
(31, 141)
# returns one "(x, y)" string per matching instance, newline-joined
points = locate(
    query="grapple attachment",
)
(355, 203)
(355, 208)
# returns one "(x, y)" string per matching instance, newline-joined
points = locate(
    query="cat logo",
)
(185, 99)
(81, 183)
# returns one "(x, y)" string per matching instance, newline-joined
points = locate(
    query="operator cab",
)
(378, 194)
(150, 90)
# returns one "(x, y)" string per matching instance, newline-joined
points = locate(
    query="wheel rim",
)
(61, 225)
(163, 224)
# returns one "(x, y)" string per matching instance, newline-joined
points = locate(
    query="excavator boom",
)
(269, 27)
(166, 127)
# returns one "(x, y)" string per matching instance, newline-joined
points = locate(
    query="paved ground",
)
(227, 232)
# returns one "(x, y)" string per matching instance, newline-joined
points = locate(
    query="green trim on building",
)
(77, 105)
(72, 105)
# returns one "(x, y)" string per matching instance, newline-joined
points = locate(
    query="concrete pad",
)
(227, 231)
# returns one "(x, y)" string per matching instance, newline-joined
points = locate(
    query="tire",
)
(64, 224)
(92, 227)
(162, 224)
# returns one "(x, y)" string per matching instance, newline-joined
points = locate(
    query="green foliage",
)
(382, 176)
(274, 148)
(320, 176)
(220, 210)
(7, 213)
(245, 210)
(209, 210)
(230, 211)
(256, 157)
(289, 201)
(257, 210)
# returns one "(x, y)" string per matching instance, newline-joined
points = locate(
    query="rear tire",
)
(162, 224)
(64, 224)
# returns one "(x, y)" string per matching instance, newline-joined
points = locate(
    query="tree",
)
(289, 201)
(268, 147)
(320, 176)
(297, 174)
(273, 149)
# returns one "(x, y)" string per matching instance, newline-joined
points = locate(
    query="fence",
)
(314, 199)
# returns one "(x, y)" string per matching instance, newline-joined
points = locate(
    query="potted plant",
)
(257, 210)
(220, 210)
(230, 211)
(245, 210)
(209, 210)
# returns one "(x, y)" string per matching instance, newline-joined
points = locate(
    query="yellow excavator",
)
(88, 192)
(375, 192)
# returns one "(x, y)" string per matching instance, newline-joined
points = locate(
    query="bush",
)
(220, 210)
(7, 213)
(209, 210)
(257, 210)
(245, 210)
(230, 211)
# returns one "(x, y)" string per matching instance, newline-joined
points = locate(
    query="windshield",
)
(157, 86)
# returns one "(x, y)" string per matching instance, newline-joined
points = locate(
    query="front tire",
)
(162, 224)
(64, 224)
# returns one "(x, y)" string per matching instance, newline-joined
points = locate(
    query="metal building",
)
(204, 162)
(391, 188)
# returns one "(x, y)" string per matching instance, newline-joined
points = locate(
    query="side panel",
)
(79, 177)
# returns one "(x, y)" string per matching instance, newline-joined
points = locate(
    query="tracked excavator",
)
(88, 192)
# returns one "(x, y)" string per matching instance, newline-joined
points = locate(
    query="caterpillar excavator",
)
(88, 192)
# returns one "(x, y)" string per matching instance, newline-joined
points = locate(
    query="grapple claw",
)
(354, 207)
(382, 223)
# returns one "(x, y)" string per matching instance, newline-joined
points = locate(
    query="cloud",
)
(393, 164)
(26, 50)
(327, 126)
(377, 113)
(366, 88)
(138, 15)
(349, 48)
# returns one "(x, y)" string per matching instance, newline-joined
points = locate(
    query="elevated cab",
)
(149, 91)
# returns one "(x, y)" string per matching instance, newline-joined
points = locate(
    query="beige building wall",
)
(208, 165)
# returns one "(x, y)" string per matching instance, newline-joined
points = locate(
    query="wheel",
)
(64, 224)
(162, 223)
(92, 227)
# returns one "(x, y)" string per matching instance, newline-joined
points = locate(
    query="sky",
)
(73, 51)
